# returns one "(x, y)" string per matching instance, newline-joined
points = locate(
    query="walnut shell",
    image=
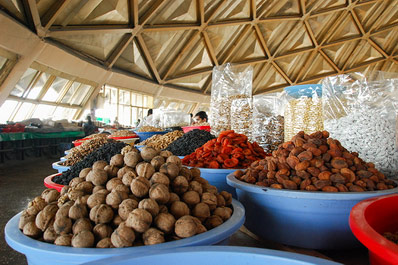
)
(131, 159)
(45, 217)
(117, 160)
(30, 229)
(63, 240)
(74, 195)
(213, 221)
(115, 198)
(224, 212)
(123, 236)
(111, 170)
(102, 231)
(148, 153)
(97, 176)
(191, 198)
(157, 162)
(195, 172)
(64, 190)
(170, 169)
(153, 236)
(186, 172)
(83, 239)
(101, 164)
(75, 181)
(201, 211)
(179, 209)
(150, 205)
(25, 218)
(112, 183)
(101, 214)
(124, 170)
(227, 197)
(50, 235)
(145, 170)
(51, 196)
(140, 220)
(165, 154)
(85, 186)
(126, 206)
(140, 187)
(174, 159)
(185, 227)
(160, 193)
(173, 198)
(180, 185)
(63, 225)
(105, 243)
(36, 205)
(158, 177)
(210, 199)
(78, 210)
(83, 173)
(128, 177)
(63, 211)
(165, 222)
(98, 188)
(81, 225)
(96, 199)
(196, 186)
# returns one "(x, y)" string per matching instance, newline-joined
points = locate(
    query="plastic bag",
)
(360, 112)
(175, 119)
(229, 82)
(241, 116)
(268, 120)
(303, 110)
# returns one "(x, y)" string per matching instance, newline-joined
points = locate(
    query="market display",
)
(187, 143)
(133, 208)
(315, 163)
(96, 135)
(127, 148)
(228, 150)
(123, 133)
(162, 141)
(303, 111)
(268, 121)
(241, 116)
(104, 153)
(149, 129)
(76, 154)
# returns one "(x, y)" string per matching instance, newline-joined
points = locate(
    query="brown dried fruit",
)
(288, 184)
(126, 206)
(123, 236)
(101, 214)
(117, 160)
(165, 222)
(179, 209)
(160, 193)
(186, 226)
(81, 225)
(140, 220)
(153, 236)
(356, 188)
(304, 156)
(320, 184)
(140, 186)
(150, 205)
(302, 165)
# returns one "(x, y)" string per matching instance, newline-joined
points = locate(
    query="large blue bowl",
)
(219, 255)
(316, 220)
(43, 253)
(145, 135)
(60, 168)
(218, 177)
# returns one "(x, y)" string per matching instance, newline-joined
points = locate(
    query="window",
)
(55, 89)
(7, 109)
(24, 82)
(43, 111)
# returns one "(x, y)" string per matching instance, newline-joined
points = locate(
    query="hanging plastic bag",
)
(360, 112)
(241, 116)
(303, 110)
(229, 82)
(268, 120)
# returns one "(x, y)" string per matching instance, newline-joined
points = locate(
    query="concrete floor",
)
(22, 180)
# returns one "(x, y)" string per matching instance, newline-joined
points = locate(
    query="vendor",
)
(200, 117)
(146, 120)
(89, 127)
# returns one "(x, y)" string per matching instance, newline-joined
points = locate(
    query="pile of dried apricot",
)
(229, 150)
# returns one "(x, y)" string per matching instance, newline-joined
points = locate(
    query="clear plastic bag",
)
(175, 119)
(241, 116)
(360, 112)
(303, 110)
(268, 120)
(229, 82)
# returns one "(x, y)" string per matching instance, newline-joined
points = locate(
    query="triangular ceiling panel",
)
(94, 12)
(193, 59)
(249, 48)
(239, 9)
(222, 38)
(276, 8)
(341, 52)
(368, 69)
(210, 6)
(266, 76)
(317, 67)
(164, 46)
(44, 5)
(321, 24)
(176, 11)
(387, 40)
(292, 64)
(378, 15)
(144, 6)
(346, 29)
(96, 45)
(364, 52)
(297, 39)
(14, 7)
(274, 32)
(196, 82)
(390, 66)
(132, 61)
(316, 6)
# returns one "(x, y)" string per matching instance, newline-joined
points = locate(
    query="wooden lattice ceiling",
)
(177, 42)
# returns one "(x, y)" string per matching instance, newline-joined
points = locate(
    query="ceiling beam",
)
(330, 61)
(229, 52)
(210, 48)
(19, 99)
(166, 27)
(281, 72)
(51, 15)
(150, 63)
(253, 10)
(31, 8)
(122, 45)
(262, 41)
(74, 12)
(83, 30)
(201, 11)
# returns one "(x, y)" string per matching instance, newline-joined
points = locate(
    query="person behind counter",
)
(146, 120)
(200, 117)
(89, 127)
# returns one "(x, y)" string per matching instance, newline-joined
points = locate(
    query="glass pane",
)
(113, 95)
(23, 82)
(139, 100)
(172, 105)
(6, 110)
(150, 102)
(134, 115)
(133, 99)
(35, 91)
(55, 89)
(81, 94)
(43, 111)
(63, 113)
(72, 89)
(2, 61)
(145, 103)
(23, 112)
(124, 115)
(124, 97)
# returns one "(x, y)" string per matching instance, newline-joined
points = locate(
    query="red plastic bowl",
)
(190, 128)
(52, 185)
(369, 219)
(123, 137)
(80, 141)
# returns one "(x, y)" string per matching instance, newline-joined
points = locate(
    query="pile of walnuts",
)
(137, 199)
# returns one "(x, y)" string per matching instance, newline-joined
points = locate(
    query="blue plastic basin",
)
(145, 135)
(63, 159)
(43, 253)
(60, 168)
(316, 220)
(139, 147)
(215, 255)
(217, 177)
(66, 152)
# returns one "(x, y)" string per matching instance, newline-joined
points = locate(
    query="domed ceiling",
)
(177, 42)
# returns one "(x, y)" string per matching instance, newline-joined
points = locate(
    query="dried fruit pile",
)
(189, 142)
(137, 199)
(228, 150)
(315, 163)
(159, 141)
(78, 153)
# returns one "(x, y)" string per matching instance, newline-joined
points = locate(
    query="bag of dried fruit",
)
(360, 112)
(268, 120)
(229, 82)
